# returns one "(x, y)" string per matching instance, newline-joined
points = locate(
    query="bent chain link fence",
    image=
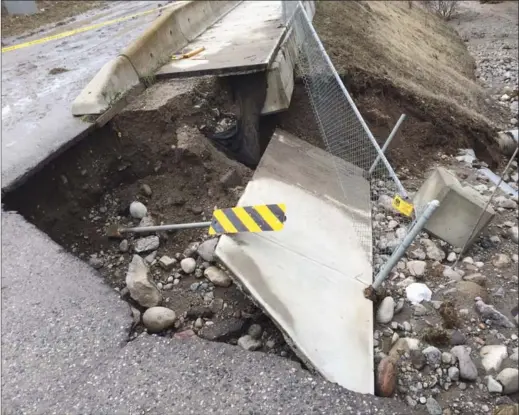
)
(368, 197)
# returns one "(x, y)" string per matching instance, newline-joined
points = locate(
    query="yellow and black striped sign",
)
(259, 218)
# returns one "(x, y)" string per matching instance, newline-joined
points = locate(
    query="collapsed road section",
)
(153, 164)
(155, 152)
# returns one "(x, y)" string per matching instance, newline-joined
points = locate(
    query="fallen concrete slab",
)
(309, 277)
(459, 212)
(251, 38)
(245, 40)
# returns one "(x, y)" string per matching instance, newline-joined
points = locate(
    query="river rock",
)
(493, 385)
(452, 257)
(489, 312)
(386, 377)
(249, 343)
(454, 373)
(140, 287)
(217, 277)
(513, 233)
(492, 357)
(404, 345)
(509, 378)
(447, 358)
(151, 257)
(124, 245)
(501, 261)
(166, 262)
(96, 263)
(146, 190)
(147, 244)
(505, 203)
(433, 407)
(207, 248)
(222, 330)
(386, 310)
(255, 331)
(468, 370)
(191, 250)
(138, 210)
(157, 319)
(457, 338)
(188, 265)
(432, 250)
(146, 221)
(451, 274)
(433, 356)
(416, 268)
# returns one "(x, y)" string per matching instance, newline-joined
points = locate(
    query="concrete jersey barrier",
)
(168, 34)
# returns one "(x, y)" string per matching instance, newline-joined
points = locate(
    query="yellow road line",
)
(82, 29)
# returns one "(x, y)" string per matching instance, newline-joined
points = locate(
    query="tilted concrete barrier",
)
(168, 34)
(280, 76)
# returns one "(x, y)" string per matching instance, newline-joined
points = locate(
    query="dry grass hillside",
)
(395, 59)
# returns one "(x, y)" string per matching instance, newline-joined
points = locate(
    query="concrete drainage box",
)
(310, 276)
(459, 211)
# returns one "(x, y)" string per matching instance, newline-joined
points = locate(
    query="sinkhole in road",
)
(159, 151)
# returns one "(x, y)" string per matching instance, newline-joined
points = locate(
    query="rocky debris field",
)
(174, 284)
(446, 337)
(491, 34)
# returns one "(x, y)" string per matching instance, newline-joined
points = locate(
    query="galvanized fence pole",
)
(408, 240)
(388, 141)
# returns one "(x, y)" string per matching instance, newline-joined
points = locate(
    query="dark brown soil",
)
(93, 183)
(429, 127)
(49, 12)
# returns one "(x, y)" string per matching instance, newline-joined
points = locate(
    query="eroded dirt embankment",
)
(394, 59)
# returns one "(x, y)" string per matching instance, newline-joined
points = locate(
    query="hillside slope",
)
(394, 59)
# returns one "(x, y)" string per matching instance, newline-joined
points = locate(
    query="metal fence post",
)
(408, 240)
(388, 141)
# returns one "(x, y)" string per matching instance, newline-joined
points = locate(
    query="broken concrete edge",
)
(107, 87)
(463, 213)
(169, 33)
(20, 180)
(280, 75)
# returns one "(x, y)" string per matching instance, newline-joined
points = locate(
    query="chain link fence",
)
(368, 182)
